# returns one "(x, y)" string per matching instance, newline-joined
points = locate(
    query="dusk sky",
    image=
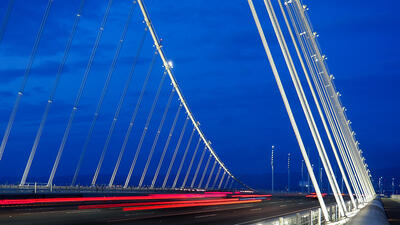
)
(221, 68)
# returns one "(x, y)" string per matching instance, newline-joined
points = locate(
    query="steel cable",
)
(25, 80)
(216, 178)
(57, 80)
(133, 118)
(104, 92)
(171, 163)
(191, 163)
(80, 92)
(159, 129)
(221, 181)
(6, 17)
(183, 158)
(171, 131)
(150, 115)
(204, 172)
(210, 175)
(198, 167)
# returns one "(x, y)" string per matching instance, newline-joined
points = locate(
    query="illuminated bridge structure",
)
(162, 144)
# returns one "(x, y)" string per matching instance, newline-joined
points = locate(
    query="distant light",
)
(170, 64)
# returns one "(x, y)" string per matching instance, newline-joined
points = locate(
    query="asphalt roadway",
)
(244, 213)
(392, 210)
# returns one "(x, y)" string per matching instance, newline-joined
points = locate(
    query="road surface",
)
(226, 210)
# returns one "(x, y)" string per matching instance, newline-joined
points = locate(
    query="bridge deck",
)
(392, 209)
(82, 213)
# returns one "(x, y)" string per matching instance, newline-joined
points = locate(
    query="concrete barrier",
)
(372, 214)
(396, 197)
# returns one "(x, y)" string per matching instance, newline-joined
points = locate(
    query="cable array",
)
(327, 95)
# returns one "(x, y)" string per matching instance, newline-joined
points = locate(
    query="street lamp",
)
(288, 169)
(393, 192)
(320, 178)
(272, 168)
(302, 175)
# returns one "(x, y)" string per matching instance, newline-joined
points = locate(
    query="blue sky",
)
(221, 68)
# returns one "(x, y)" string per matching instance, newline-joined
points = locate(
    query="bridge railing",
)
(306, 217)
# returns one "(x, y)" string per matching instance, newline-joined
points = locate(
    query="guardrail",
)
(311, 216)
(396, 197)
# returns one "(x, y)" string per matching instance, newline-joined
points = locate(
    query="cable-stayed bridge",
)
(141, 137)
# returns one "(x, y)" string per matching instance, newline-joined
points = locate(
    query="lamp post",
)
(309, 190)
(302, 175)
(393, 186)
(341, 190)
(320, 178)
(288, 190)
(288, 169)
(308, 174)
(272, 169)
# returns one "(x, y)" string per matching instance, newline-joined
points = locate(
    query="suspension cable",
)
(198, 167)
(288, 109)
(159, 129)
(226, 182)
(133, 118)
(316, 103)
(171, 131)
(358, 187)
(6, 17)
(25, 78)
(171, 163)
(222, 180)
(174, 83)
(210, 175)
(183, 158)
(308, 49)
(57, 80)
(338, 106)
(104, 92)
(231, 185)
(306, 108)
(145, 130)
(216, 178)
(317, 58)
(80, 92)
(318, 90)
(341, 134)
(111, 129)
(191, 163)
(204, 172)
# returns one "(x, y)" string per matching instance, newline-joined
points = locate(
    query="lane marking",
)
(282, 205)
(256, 209)
(214, 209)
(80, 211)
(202, 216)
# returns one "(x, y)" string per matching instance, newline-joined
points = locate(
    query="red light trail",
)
(188, 205)
(250, 196)
(117, 205)
(114, 198)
